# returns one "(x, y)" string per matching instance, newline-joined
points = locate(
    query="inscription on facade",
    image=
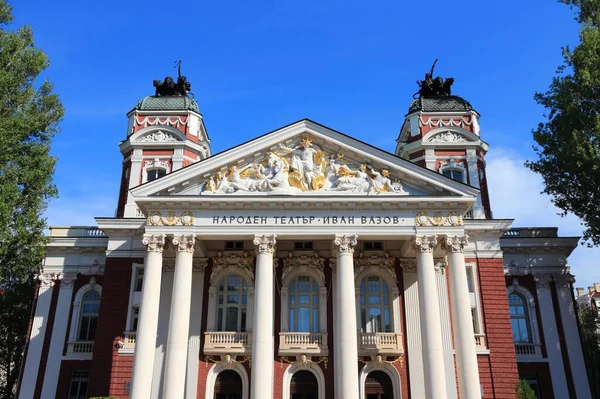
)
(307, 220)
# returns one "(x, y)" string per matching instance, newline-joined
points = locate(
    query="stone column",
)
(568, 315)
(429, 313)
(553, 350)
(179, 321)
(143, 360)
(346, 345)
(59, 331)
(38, 332)
(464, 336)
(262, 335)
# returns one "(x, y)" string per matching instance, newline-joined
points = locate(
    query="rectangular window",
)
(78, 385)
(139, 279)
(303, 245)
(373, 246)
(470, 279)
(532, 380)
(135, 314)
(234, 245)
(475, 320)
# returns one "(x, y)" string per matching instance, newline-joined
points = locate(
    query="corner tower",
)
(441, 132)
(165, 133)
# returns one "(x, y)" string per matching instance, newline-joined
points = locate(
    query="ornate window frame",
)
(76, 310)
(303, 265)
(158, 163)
(382, 266)
(515, 288)
(300, 366)
(217, 368)
(476, 292)
(226, 265)
(456, 165)
(387, 368)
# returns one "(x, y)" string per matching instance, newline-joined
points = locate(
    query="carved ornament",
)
(155, 243)
(157, 137)
(425, 243)
(304, 361)
(302, 167)
(156, 218)
(456, 243)
(385, 262)
(67, 279)
(199, 264)
(185, 243)
(440, 266)
(47, 280)
(244, 261)
(265, 244)
(345, 243)
(409, 265)
(314, 263)
(438, 220)
(447, 137)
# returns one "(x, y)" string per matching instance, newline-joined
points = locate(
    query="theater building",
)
(303, 263)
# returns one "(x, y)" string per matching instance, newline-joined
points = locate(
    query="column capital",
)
(67, 280)
(154, 242)
(424, 243)
(542, 281)
(409, 265)
(200, 264)
(184, 243)
(345, 243)
(47, 279)
(564, 280)
(440, 266)
(456, 243)
(265, 244)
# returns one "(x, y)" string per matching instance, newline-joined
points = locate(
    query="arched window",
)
(232, 301)
(88, 322)
(519, 319)
(303, 305)
(374, 305)
(453, 174)
(454, 170)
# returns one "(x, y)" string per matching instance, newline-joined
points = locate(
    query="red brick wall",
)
(498, 371)
(109, 370)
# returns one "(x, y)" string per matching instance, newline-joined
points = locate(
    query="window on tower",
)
(154, 174)
(453, 174)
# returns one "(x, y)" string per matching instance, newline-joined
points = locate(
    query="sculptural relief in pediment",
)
(301, 168)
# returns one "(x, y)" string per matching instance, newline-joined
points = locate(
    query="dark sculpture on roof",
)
(169, 87)
(430, 87)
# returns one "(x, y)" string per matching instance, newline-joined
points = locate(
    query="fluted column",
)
(346, 345)
(143, 361)
(38, 332)
(262, 335)
(429, 312)
(460, 302)
(59, 331)
(179, 320)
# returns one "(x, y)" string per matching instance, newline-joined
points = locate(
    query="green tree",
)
(568, 142)
(29, 117)
(524, 391)
(589, 326)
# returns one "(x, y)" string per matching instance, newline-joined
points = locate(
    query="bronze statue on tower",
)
(169, 87)
(430, 87)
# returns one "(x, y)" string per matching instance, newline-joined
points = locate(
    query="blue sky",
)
(256, 66)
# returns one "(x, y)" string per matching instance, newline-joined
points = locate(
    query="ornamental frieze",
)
(156, 218)
(314, 263)
(438, 219)
(385, 262)
(304, 167)
(244, 261)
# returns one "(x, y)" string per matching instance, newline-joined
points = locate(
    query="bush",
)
(524, 391)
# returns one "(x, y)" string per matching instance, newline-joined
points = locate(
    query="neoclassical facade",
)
(303, 264)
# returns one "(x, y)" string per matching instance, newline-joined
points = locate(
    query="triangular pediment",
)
(304, 159)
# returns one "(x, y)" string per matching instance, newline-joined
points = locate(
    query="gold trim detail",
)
(438, 220)
(156, 218)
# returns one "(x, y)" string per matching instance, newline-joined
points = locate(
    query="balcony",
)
(527, 350)
(379, 344)
(225, 342)
(301, 343)
(127, 343)
(80, 350)
(480, 342)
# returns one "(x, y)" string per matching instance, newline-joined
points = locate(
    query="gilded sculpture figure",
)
(304, 167)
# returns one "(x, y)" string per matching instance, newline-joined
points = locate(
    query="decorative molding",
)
(460, 121)
(447, 137)
(244, 261)
(542, 281)
(564, 280)
(157, 137)
(67, 280)
(47, 280)
(425, 243)
(385, 263)
(155, 243)
(199, 264)
(314, 263)
(437, 219)
(455, 243)
(265, 244)
(409, 265)
(157, 163)
(156, 218)
(345, 243)
(452, 163)
(440, 266)
(379, 361)
(96, 269)
(185, 243)
(304, 361)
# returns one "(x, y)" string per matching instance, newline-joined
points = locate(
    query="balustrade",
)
(380, 343)
(291, 343)
(80, 348)
(528, 349)
(222, 342)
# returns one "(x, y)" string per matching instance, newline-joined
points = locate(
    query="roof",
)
(167, 103)
(440, 104)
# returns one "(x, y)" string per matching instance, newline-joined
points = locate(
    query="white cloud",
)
(79, 210)
(515, 193)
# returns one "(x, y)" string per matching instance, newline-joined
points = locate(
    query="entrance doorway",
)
(304, 385)
(228, 385)
(378, 386)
